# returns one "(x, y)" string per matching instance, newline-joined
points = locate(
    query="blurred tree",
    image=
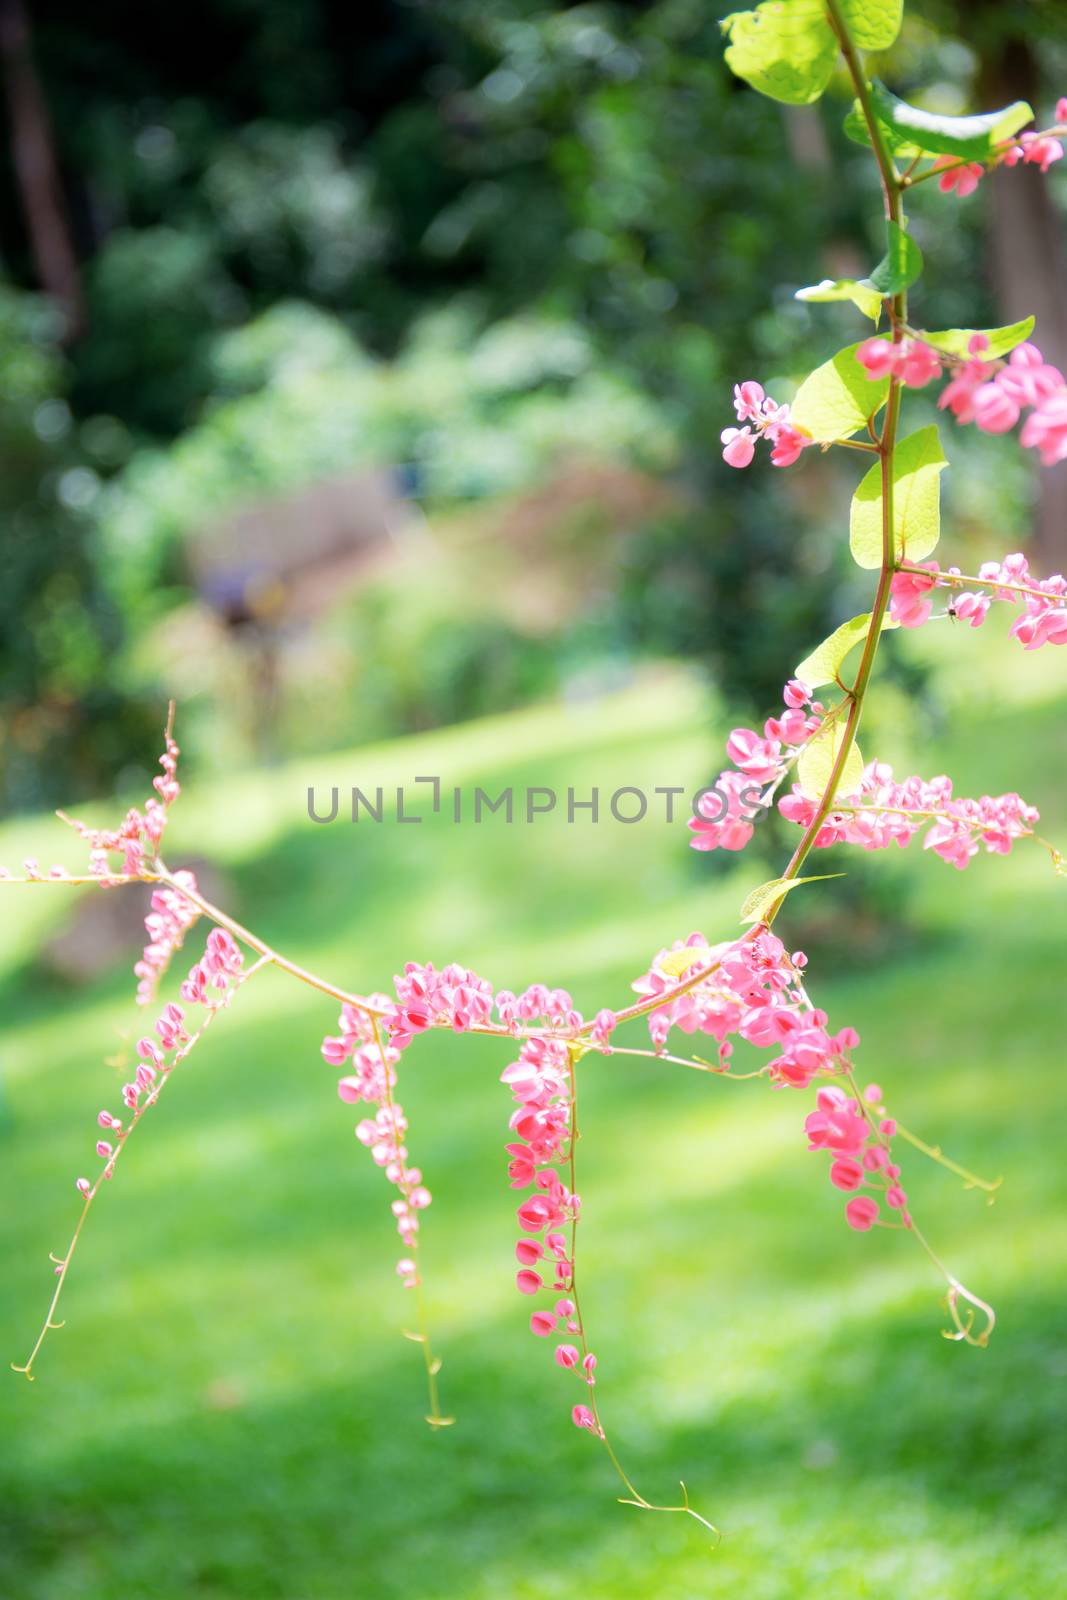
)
(591, 163)
(34, 162)
(63, 715)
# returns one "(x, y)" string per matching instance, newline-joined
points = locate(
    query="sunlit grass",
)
(231, 1410)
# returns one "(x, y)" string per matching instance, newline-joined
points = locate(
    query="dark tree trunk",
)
(35, 168)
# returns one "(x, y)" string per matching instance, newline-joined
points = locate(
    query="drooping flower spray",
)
(748, 986)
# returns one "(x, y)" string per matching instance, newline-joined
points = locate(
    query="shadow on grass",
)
(337, 1491)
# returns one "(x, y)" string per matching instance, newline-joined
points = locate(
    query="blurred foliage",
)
(461, 239)
(61, 713)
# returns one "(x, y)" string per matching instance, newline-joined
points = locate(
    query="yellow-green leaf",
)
(784, 48)
(873, 24)
(837, 398)
(824, 662)
(955, 341)
(860, 291)
(760, 901)
(817, 760)
(918, 462)
(676, 963)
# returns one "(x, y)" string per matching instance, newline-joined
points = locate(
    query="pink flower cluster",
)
(755, 992)
(169, 919)
(1043, 618)
(139, 834)
(764, 419)
(912, 361)
(1035, 149)
(210, 984)
(884, 812)
(725, 810)
(992, 395)
(542, 1128)
(372, 1082)
(860, 1154)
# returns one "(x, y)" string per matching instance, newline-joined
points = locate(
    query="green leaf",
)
(825, 661)
(954, 341)
(837, 398)
(760, 901)
(910, 131)
(873, 24)
(784, 48)
(901, 264)
(817, 763)
(859, 291)
(918, 462)
(855, 126)
(897, 270)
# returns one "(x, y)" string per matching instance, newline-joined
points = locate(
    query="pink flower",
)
(740, 446)
(963, 178)
(583, 1417)
(764, 418)
(995, 411)
(1061, 111)
(877, 357)
(788, 445)
(528, 1282)
(971, 608)
(912, 361)
(909, 603)
(861, 1213)
(1048, 627)
(1040, 150)
(917, 364)
(755, 757)
(748, 401)
(846, 1173)
(543, 1323)
(567, 1355)
(1045, 429)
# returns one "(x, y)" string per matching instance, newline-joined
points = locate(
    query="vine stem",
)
(885, 444)
(956, 1289)
(963, 579)
(634, 1496)
(63, 1263)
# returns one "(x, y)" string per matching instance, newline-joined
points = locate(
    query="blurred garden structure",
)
(500, 249)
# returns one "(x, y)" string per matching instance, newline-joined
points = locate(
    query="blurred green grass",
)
(231, 1410)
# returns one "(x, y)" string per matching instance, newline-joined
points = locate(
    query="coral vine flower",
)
(913, 361)
(963, 178)
(910, 602)
(862, 1213)
(769, 421)
(1044, 601)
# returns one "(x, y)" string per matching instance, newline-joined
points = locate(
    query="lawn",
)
(232, 1410)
